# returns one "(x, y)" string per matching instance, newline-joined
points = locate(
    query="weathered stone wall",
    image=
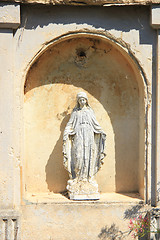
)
(36, 58)
(78, 221)
(134, 32)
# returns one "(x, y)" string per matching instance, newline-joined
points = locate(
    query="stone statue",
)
(83, 150)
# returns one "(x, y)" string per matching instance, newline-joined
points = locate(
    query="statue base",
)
(83, 197)
(83, 189)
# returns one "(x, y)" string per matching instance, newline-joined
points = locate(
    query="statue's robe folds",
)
(83, 144)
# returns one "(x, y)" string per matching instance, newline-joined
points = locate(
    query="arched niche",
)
(116, 92)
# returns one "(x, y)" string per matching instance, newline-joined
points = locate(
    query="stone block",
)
(9, 15)
(155, 16)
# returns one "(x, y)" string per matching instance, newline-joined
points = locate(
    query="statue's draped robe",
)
(83, 144)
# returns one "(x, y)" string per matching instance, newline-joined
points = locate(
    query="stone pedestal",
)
(83, 190)
(74, 196)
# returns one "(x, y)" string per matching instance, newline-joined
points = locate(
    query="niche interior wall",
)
(115, 89)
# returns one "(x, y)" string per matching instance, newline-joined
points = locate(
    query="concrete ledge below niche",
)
(105, 198)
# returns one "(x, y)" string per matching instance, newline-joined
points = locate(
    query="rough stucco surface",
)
(76, 221)
(88, 2)
(6, 123)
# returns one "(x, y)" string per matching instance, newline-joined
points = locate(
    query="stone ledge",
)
(9, 15)
(9, 213)
(105, 198)
(88, 2)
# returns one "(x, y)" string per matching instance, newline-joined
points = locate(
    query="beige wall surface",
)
(6, 122)
(77, 221)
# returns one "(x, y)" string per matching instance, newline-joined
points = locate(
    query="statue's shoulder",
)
(74, 111)
(90, 110)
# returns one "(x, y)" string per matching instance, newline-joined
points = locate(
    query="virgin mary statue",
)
(83, 150)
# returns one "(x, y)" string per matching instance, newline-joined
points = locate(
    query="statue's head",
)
(82, 99)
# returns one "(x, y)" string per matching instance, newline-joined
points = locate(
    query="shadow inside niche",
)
(56, 175)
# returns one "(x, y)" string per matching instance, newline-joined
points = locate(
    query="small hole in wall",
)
(81, 53)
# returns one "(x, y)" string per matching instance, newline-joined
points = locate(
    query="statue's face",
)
(82, 101)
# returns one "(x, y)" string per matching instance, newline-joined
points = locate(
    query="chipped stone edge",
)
(87, 2)
(9, 15)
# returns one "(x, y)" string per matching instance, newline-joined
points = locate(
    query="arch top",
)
(97, 35)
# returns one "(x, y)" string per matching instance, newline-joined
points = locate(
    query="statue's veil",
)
(81, 95)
